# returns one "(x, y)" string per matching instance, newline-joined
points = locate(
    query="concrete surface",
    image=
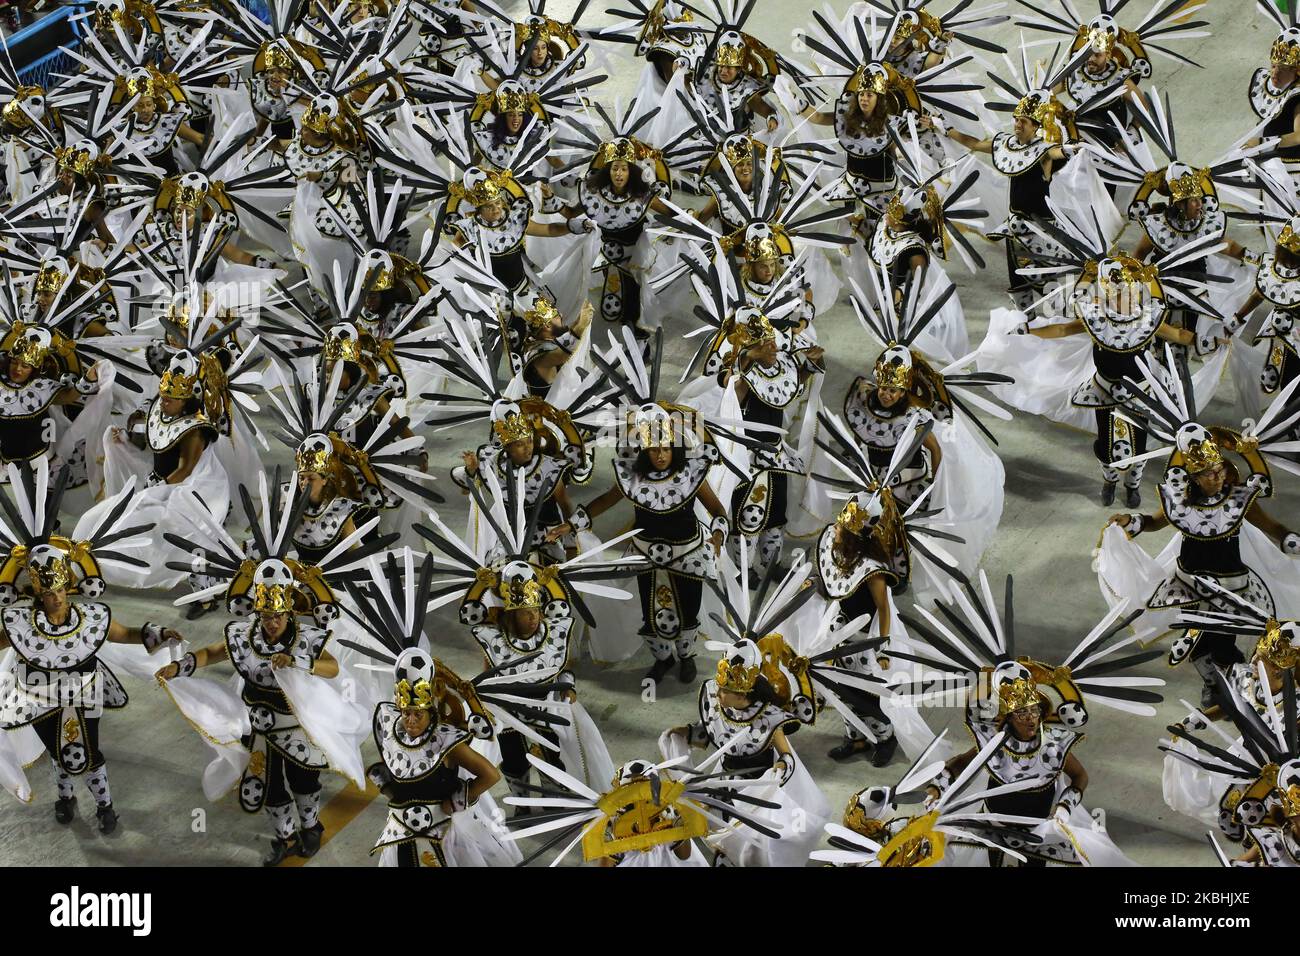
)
(1049, 528)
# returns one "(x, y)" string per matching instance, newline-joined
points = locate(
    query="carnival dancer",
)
(59, 682)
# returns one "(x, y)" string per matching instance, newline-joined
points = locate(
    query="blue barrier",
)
(37, 50)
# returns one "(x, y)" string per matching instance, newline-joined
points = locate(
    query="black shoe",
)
(196, 611)
(1133, 497)
(883, 752)
(107, 817)
(686, 670)
(1108, 492)
(848, 749)
(309, 841)
(281, 850)
(65, 809)
(660, 670)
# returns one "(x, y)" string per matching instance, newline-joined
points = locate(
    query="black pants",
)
(1102, 446)
(50, 729)
(1218, 647)
(514, 751)
(301, 781)
(689, 593)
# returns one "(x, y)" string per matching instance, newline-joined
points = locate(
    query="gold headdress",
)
(1276, 647)
(510, 98)
(740, 677)
(143, 82)
(13, 113)
(274, 598)
(752, 330)
(653, 426)
(55, 574)
(623, 149)
(59, 563)
(740, 149)
(1202, 456)
(321, 114)
(273, 56)
(857, 819)
(1289, 799)
(346, 343)
(1289, 238)
(81, 157)
(1286, 49)
(878, 78)
(31, 345)
(53, 273)
(763, 249)
(731, 50)
(1017, 694)
(639, 815)
(542, 314)
(1100, 38)
(519, 595)
(1188, 184)
(513, 427)
(315, 455)
(190, 196)
(893, 370)
(488, 186)
(175, 383)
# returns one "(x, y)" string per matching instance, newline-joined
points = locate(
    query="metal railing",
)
(38, 50)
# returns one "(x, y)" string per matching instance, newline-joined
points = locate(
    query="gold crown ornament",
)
(13, 112)
(1017, 694)
(1202, 456)
(754, 330)
(541, 315)
(273, 56)
(31, 347)
(510, 99)
(737, 678)
(857, 820)
(763, 249)
(730, 53)
(654, 431)
(512, 428)
(54, 573)
(1285, 51)
(190, 194)
(1276, 647)
(344, 347)
(81, 157)
(740, 149)
(486, 190)
(1051, 116)
(143, 82)
(273, 598)
(878, 78)
(51, 277)
(891, 374)
(1289, 238)
(921, 19)
(853, 517)
(522, 595)
(617, 150)
(176, 384)
(1191, 184)
(418, 696)
(315, 455)
(1100, 38)
(1289, 800)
